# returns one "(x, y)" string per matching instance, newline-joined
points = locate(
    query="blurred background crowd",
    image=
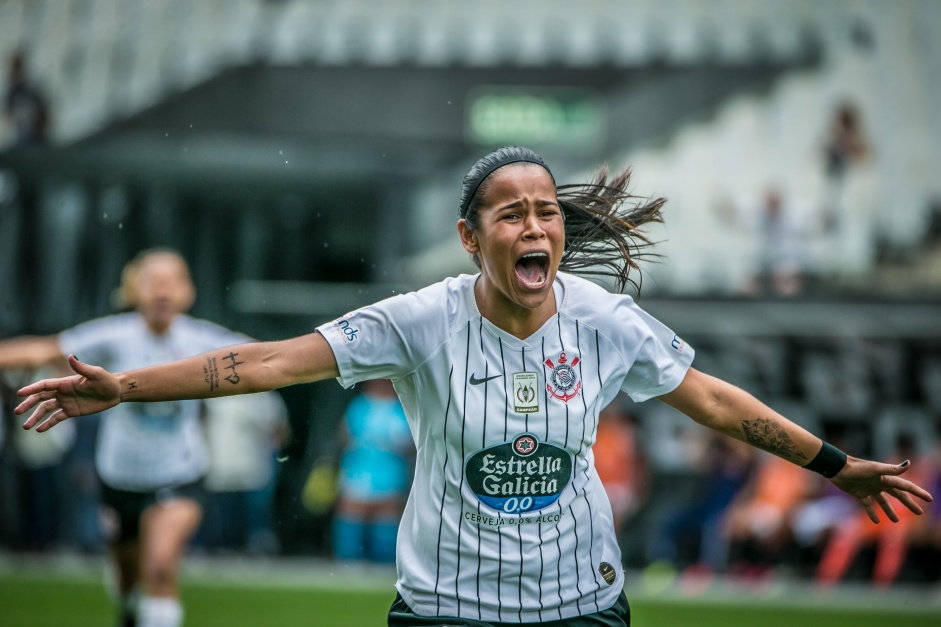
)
(303, 156)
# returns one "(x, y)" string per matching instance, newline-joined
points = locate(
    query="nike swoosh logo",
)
(475, 381)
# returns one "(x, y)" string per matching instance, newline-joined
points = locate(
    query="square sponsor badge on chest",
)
(525, 398)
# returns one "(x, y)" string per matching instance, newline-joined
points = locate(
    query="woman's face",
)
(520, 235)
(164, 290)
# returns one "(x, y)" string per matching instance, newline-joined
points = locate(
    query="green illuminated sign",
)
(560, 118)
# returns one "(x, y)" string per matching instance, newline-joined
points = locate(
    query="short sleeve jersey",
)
(507, 520)
(146, 446)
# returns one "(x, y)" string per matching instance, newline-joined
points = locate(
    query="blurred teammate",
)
(150, 458)
(502, 376)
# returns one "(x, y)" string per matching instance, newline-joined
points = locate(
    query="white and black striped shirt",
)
(507, 520)
(146, 446)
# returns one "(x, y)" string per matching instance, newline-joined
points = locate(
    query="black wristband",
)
(829, 461)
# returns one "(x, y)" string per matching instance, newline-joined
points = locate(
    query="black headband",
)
(496, 166)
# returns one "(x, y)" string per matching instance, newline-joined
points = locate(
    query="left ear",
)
(468, 237)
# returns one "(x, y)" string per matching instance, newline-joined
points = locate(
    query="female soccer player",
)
(150, 457)
(502, 376)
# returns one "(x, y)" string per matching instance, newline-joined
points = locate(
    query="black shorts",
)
(618, 615)
(122, 509)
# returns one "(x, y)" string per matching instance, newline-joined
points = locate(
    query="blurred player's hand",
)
(90, 391)
(873, 482)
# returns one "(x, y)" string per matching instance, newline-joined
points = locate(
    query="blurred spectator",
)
(41, 481)
(374, 475)
(24, 105)
(84, 489)
(891, 541)
(845, 147)
(759, 523)
(933, 525)
(619, 462)
(8, 486)
(824, 509)
(846, 143)
(780, 266)
(244, 434)
(725, 469)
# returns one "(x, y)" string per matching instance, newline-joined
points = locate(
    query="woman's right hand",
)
(89, 391)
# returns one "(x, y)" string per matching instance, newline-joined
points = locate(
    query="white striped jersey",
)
(146, 446)
(507, 520)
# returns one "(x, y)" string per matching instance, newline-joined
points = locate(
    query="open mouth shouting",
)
(533, 270)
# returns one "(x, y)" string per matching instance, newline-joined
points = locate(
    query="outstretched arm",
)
(30, 352)
(730, 410)
(241, 369)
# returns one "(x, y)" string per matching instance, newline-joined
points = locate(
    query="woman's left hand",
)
(871, 483)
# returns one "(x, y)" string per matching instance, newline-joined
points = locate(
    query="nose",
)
(532, 227)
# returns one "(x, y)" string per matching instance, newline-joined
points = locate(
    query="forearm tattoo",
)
(232, 378)
(211, 373)
(132, 386)
(768, 435)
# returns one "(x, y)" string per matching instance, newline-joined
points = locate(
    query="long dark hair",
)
(602, 234)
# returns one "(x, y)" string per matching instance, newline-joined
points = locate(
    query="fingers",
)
(906, 499)
(33, 399)
(883, 500)
(86, 370)
(39, 386)
(907, 486)
(889, 470)
(45, 407)
(869, 505)
(52, 421)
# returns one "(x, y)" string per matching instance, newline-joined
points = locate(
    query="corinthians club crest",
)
(562, 381)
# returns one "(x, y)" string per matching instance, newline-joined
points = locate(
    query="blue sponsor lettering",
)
(347, 329)
(677, 343)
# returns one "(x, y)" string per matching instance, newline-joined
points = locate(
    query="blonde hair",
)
(124, 297)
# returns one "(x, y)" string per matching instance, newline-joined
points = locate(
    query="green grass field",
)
(31, 600)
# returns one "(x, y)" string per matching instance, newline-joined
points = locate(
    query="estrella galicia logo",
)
(562, 381)
(343, 326)
(519, 476)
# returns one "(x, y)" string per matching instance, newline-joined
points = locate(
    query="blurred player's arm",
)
(30, 352)
(240, 369)
(730, 410)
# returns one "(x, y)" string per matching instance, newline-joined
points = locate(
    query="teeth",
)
(534, 255)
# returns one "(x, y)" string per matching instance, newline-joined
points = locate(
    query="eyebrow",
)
(517, 203)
